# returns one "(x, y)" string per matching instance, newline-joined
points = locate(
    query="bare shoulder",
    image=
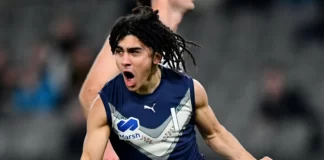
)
(97, 114)
(201, 97)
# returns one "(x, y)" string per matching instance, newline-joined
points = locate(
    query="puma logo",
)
(151, 108)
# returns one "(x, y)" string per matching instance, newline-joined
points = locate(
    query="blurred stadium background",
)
(261, 63)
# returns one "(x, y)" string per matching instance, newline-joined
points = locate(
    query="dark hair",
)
(144, 23)
(144, 3)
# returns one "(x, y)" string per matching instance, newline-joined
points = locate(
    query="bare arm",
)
(97, 133)
(103, 69)
(214, 134)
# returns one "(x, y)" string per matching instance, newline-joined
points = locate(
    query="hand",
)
(266, 158)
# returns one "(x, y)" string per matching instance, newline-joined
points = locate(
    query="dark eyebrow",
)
(119, 47)
(132, 49)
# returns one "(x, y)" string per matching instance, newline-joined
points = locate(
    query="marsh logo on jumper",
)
(127, 129)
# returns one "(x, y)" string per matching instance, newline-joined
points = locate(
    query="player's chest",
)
(152, 122)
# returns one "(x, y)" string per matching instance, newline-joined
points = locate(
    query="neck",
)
(152, 82)
(169, 16)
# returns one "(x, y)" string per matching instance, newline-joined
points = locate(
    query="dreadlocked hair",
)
(144, 23)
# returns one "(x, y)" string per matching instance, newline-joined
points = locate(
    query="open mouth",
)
(128, 75)
(129, 78)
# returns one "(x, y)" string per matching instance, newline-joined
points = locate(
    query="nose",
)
(126, 60)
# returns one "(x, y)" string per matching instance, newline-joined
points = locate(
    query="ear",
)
(157, 58)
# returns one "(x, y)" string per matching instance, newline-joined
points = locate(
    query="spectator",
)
(82, 58)
(66, 36)
(282, 103)
(8, 78)
(35, 91)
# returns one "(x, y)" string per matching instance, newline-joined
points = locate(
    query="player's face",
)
(183, 4)
(134, 59)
